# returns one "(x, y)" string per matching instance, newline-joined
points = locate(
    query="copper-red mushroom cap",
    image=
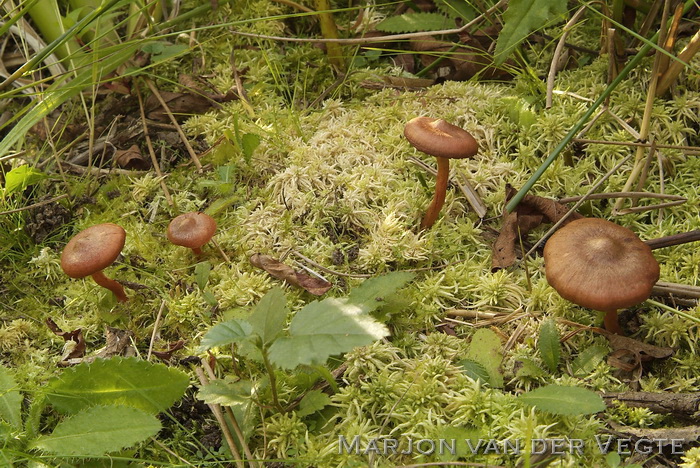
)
(600, 265)
(92, 250)
(192, 230)
(437, 137)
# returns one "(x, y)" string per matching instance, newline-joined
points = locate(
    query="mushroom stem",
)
(443, 172)
(611, 323)
(197, 251)
(110, 284)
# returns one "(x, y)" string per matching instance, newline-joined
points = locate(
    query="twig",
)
(328, 270)
(216, 411)
(675, 68)
(604, 196)
(156, 324)
(557, 54)
(675, 239)
(183, 137)
(662, 288)
(221, 251)
(35, 205)
(692, 149)
(151, 151)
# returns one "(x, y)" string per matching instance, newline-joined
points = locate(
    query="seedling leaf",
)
(371, 293)
(586, 361)
(21, 177)
(269, 316)
(226, 333)
(10, 399)
(221, 392)
(559, 399)
(321, 329)
(520, 19)
(313, 401)
(117, 381)
(99, 430)
(475, 371)
(485, 349)
(548, 342)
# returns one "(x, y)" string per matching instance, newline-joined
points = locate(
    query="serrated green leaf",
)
(559, 399)
(222, 392)
(528, 368)
(474, 370)
(370, 295)
(269, 316)
(313, 401)
(485, 349)
(548, 344)
(10, 399)
(225, 333)
(117, 381)
(415, 22)
(321, 329)
(249, 142)
(201, 274)
(588, 359)
(520, 19)
(99, 430)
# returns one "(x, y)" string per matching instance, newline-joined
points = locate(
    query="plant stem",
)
(675, 311)
(273, 379)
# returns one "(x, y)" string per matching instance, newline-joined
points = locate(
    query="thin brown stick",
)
(216, 411)
(35, 205)
(675, 239)
(151, 151)
(693, 149)
(156, 325)
(675, 68)
(663, 288)
(604, 196)
(183, 137)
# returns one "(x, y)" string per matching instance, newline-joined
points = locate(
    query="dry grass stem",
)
(686, 149)
(156, 326)
(558, 52)
(35, 205)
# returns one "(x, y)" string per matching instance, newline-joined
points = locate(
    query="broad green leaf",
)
(588, 359)
(548, 343)
(21, 177)
(313, 401)
(485, 349)
(269, 316)
(415, 22)
(10, 399)
(222, 392)
(226, 333)
(456, 8)
(520, 19)
(474, 370)
(528, 368)
(370, 295)
(99, 430)
(117, 381)
(559, 399)
(249, 142)
(201, 274)
(322, 329)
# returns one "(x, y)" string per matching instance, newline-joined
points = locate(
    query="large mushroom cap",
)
(192, 230)
(600, 265)
(437, 137)
(92, 250)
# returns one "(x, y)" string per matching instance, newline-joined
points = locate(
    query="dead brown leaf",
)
(168, 354)
(279, 270)
(530, 213)
(76, 336)
(131, 159)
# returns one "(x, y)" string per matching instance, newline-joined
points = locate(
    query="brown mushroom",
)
(91, 251)
(192, 230)
(600, 265)
(445, 141)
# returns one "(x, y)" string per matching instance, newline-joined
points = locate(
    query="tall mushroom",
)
(600, 265)
(192, 230)
(445, 141)
(91, 251)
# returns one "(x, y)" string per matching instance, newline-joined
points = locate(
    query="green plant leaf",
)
(559, 399)
(222, 392)
(415, 22)
(588, 359)
(201, 274)
(99, 430)
(485, 349)
(249, 142)
(313, 401)
(117, 381)
(529, 368)
(370, 295)
(269, 316)
(225, 333)
(474, 370)
(321, 329)
(10, 399)
(456, 8)
(21, 177)
(520, 19)
(548, 344)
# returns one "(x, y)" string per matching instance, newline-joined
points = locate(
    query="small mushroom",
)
(91, 251)
(445, 141)
(600, 265)
(192, 230)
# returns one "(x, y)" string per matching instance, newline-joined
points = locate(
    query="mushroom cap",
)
(192, 230)
(600, 265)
(437, 137)
(92, 250)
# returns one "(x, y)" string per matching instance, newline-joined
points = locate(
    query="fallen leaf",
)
(131, 159)
(279, 270)
(172, 347)
(118, 342)
(77, 350)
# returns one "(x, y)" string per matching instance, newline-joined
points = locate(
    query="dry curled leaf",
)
(74, 340)
(131, 159)
(168, 354)
(279, 270)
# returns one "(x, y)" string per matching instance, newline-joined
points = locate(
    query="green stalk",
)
(273, 379)
(49, 22)
(672, 310)
(631, 65)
